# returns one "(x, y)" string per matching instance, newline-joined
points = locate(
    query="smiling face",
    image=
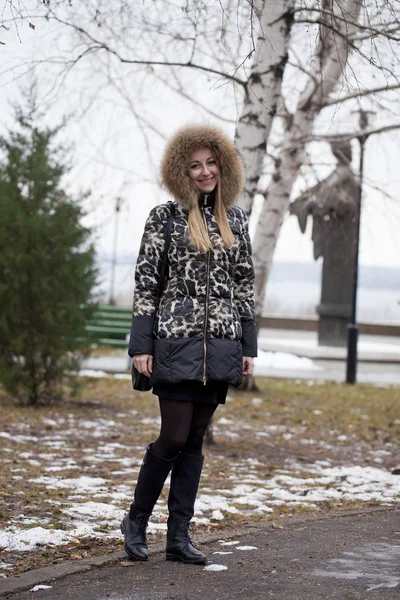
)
(203, 170)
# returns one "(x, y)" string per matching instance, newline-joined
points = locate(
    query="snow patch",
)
(223, 421)
(83, 483)
(15, 539)
(217, 515)
(94, 510)
(40, 587)
(215, 568)
(229, 543)
(257, 401)
(282, 360)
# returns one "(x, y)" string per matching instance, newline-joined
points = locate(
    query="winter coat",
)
(205, 320)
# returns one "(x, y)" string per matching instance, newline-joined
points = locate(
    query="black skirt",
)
(214, 392)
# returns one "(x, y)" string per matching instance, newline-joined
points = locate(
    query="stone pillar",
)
(337, 279)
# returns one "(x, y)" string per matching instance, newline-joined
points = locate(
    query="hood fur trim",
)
(174, 168)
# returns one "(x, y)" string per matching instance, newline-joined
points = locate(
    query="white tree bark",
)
(263, 92)
(330, 59)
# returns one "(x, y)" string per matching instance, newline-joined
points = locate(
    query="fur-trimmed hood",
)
(174, 167)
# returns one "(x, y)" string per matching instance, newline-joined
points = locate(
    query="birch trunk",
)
(263, 92)
(330, 59)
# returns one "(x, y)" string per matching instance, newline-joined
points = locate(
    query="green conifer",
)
(47, 269)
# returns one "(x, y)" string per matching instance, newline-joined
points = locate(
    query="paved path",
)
(375, 348)
(351, 556)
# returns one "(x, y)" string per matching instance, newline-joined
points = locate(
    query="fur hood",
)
(174, 169)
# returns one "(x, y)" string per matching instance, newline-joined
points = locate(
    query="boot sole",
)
(198, 561)
(133, 557)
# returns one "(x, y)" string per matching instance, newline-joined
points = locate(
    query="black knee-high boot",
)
(185, 478)
(152, 475)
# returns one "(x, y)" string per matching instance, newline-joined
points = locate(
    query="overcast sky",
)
(109, 159)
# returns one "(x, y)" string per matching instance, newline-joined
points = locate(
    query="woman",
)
(203, 337)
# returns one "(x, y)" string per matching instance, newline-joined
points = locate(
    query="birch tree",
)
(340, 29)
(262, 92)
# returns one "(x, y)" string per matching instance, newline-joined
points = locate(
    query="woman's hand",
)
(143, 363)
(248, 365)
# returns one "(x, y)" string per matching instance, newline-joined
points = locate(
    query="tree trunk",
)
(248, 384)
(263, 92)
(269, 225)
(209, 437)
(32, 388)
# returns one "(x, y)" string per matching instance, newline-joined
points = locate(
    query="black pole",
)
(352, 340)
(114, 252)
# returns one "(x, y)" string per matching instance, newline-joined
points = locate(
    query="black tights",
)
(183, 426)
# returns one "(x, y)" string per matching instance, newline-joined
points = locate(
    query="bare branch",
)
(387, 27)
(99, 45)
(342, 137)
(179, 89)
(361, 93)
(16, 11)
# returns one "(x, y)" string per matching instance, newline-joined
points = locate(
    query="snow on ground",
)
(37, 588)
(283, 360)
(99, 373)
(215, 567)
(14, 538)
(92, 505)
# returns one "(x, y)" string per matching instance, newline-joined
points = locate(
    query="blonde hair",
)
(197, 226)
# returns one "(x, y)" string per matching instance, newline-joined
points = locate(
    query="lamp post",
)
(352, 340)
(114, 250)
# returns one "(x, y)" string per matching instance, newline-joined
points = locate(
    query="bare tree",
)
(343, 27)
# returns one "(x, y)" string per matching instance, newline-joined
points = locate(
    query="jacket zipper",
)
(206, 309)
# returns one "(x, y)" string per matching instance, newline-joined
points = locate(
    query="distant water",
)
(293, 289)
(299, 298)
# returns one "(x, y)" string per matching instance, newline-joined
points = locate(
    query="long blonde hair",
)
(197, 227)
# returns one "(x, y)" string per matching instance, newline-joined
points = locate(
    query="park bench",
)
(108, 326)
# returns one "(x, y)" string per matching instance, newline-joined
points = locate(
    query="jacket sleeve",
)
(147, 275)
(244, 289)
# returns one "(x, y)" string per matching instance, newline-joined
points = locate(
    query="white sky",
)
(137, 185)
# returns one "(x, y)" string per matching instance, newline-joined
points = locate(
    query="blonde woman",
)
(203, 336)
